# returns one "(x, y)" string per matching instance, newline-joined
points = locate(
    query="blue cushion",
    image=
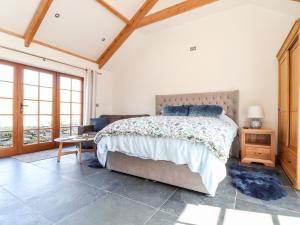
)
(181, 110)
(99, 123)
(205, 110)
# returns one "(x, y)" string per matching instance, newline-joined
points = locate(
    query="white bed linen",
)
(196, 155)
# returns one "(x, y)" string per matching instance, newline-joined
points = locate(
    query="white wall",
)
(236, 49)
(104, 94)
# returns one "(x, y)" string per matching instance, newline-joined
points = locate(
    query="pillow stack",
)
(193, 110)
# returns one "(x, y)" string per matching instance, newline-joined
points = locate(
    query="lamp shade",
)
(255, 112)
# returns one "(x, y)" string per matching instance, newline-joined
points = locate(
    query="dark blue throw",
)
(205, 110)
(261, 184)
(179, 110)
(94, 163)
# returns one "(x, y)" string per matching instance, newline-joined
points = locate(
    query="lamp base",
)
(255, 123)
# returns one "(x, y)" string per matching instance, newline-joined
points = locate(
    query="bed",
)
(204, 179)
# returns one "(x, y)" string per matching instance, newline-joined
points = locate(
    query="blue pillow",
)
(99, 123)
(180, 110)
(205, 110)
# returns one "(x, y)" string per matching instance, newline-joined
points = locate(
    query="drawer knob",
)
(289, 161)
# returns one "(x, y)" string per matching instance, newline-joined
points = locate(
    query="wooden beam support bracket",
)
(173, 11)
(126, 32)
(113, 11)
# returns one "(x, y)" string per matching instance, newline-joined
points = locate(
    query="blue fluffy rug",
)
(262, 184)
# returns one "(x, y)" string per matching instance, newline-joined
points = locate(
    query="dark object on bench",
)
(99, 123)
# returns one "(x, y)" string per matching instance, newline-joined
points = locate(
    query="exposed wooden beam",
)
(75, 54)
(173, 11)
(113, 11)
(126, 32)
(36, 21)
(2, 30)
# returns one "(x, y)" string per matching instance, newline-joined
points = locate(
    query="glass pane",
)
(45, 136)
(76, 108)
(76, 96)
(30, 137)
(65, 132)
(45, 121)
(65, 108)
(45, 107)
(46, 94)
(76, 85)
(6, 123)
(31, 92)
(6, 90)
(31, 77)
(65, 96)
(65, 120)
(46, 79)
(30, 107)
(6, 106)
(74, 131)
(30, 122)
(76, 120)
(6, 73)
(6, 139)
(65, 83)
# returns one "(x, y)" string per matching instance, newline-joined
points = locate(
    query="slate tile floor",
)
(46, 192)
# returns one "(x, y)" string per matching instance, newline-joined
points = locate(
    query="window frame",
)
(81, 79)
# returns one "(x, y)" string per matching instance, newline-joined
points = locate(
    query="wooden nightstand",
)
(258, 145)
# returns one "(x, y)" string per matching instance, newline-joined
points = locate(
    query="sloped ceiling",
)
(288, 7)
(80, 27)
(16, 15)
(83, 24)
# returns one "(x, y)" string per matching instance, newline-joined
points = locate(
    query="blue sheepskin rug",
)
(261, 184)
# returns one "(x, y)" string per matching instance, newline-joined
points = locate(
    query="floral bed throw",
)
(215, 133)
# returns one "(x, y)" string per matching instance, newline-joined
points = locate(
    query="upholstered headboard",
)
(229, 100)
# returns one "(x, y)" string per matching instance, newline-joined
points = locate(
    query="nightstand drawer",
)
(258, 153)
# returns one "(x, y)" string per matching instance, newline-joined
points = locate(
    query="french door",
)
(36, 106)
(8, 107)
(37, 109)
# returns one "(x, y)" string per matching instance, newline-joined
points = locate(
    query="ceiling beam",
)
(11, 33)
(174, 10)
(126, 32)
(113, 11)
(36, 21)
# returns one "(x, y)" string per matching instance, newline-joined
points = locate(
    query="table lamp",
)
(255, 114)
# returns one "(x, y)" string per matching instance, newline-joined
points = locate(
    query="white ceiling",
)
(15, 15)
(83, 23)
(288, 7)
(80, 28)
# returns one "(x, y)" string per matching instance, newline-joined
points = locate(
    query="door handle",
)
(22, 107)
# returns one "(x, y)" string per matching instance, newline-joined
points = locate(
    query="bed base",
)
(162, 171)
